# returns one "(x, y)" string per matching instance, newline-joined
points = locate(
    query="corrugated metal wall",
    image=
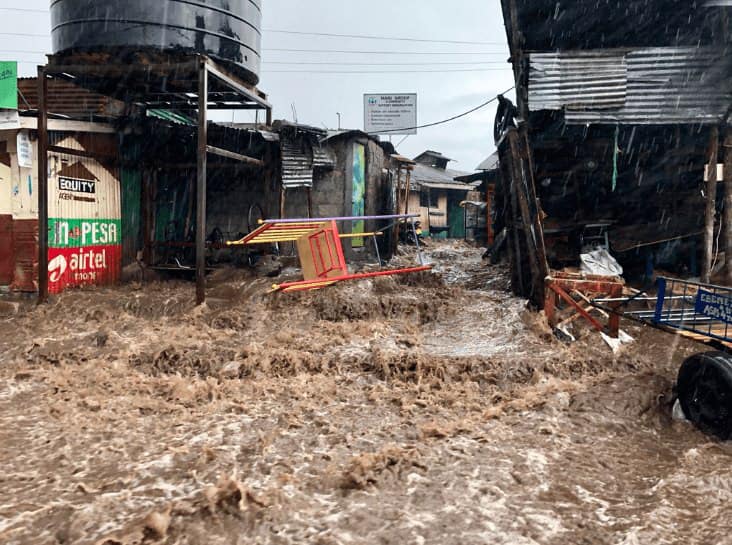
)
(645, 86)
(25, 249)
(7, 260)
(131, 178)
(577, 80)
(85, 231)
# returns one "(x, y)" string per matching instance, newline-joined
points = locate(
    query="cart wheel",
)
(705, 392)
(255, 215)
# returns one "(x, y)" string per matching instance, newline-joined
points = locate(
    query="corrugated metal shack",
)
(436, 195)
(617, 114)
(84, 225)
(479, 205)
(293, 171)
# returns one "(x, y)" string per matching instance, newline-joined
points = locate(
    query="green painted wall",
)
(131, 190)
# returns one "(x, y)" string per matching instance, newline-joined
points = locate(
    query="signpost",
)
(8, 85)
(390, 114)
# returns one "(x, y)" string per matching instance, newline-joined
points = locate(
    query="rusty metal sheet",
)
(7, 256)
(297, 162)
(25, 247)
(643, 86)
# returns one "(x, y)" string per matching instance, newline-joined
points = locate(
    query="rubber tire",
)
(704, 388)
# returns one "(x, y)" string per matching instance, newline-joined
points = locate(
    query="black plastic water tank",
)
(226, 30)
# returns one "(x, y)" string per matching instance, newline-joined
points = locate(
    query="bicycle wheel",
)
(254, 217)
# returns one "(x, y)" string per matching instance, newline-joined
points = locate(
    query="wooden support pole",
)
(728, 205)
(42, 186)
(533, 198)
(529, 233)
(517, 275)
(201, 183)
(711, 206)
(147, 215)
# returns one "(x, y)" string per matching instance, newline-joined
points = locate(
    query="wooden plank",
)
(201, 184)
(42, 186)
(728, 205)
(235, 156)
(586, 315)
(529, 234)
(711, 206)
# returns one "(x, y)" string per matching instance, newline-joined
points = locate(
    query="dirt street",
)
(431, 409)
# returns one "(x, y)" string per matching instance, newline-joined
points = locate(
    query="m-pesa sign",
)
(68, 233)
(83, 251)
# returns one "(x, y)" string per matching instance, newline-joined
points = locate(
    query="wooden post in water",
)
(728, 206)
(201, 183)
(42, 186)
(711, 205)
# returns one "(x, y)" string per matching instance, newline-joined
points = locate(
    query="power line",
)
(453, 118)
(368, 37)
(293, 50)
(357, 52)
(26, 10)
(298, 33)
(319, 63)
(385, 71)
(26, 34)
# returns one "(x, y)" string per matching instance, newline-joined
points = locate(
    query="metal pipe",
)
(343, 218)
(376, 247)
(360, 276)
(360, 235)
(416, 243)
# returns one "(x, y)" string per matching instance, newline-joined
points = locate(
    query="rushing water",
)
(396, 411)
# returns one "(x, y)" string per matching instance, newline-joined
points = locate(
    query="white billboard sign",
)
(390, 114)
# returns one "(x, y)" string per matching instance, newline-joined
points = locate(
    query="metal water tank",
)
(227, 30)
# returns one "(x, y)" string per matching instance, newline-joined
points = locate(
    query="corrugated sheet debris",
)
(301, 154)
(644, 86)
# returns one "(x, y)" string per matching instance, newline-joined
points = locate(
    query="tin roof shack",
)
(479, 204)
(84, 225)
(239, 192)
(436, 196)
(334, 174)
(616, 106)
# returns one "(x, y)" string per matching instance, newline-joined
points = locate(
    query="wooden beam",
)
(201, 183)
(529, 233)
(82, 153)
(68, 125)
(728, 205)
(586, 315)
(538, 225)
(235, 156)
(711, 206)
(42, 186)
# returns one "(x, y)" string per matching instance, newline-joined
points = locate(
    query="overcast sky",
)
(443, 92)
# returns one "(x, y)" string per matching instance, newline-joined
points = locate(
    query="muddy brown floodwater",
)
(426, 410)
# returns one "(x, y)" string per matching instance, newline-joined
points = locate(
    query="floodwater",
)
(427, 409)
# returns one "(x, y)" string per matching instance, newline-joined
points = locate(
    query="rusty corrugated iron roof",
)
(643, 86)
(428, 176)
(65, 98)
(301, 154)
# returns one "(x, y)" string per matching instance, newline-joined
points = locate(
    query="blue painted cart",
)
(702, 313)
